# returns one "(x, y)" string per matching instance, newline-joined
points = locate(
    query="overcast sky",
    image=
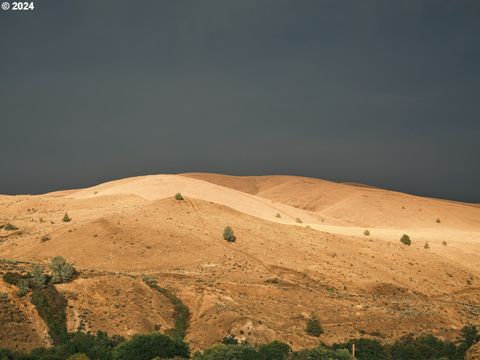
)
(379, 92)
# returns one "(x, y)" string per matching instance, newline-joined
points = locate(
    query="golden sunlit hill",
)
(303, 248)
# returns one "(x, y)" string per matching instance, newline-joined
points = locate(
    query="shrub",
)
(426, 246)
(230, 340)
(146, 347)
(229, 235)
(22, 287)
(178, 197)
(232, 352)
(422, 347)
(298, 220)
(149, 280)
(365, 349)
(405, 239)
(13, 278)
(278, 215)
(38, 276)
(62, 270)
(438, 221)
(469, 335)
(275, 350)
(444, 243)
(79, 346)
(66, 218)
(45, 238)
(9, 227)
(99, 346)
(78, 356)
(322, 353)
(366, 233)
(313, 327)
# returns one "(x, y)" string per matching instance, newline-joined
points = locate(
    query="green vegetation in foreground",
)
(81, 346)
(51, 306)
(102, 347)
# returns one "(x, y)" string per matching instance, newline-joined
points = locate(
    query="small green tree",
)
(314, 328)
(405, 239)
(62, 270)
(149, 346)
(66, 218)
(228, 234)
(38, 276)
(298, 220)
(275, 350)
(178, 197)
(366, 232)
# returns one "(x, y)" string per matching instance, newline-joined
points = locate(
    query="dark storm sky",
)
(380, 92)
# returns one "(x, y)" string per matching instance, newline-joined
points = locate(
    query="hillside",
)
(264, 286)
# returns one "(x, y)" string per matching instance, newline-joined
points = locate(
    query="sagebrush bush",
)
(366, 233)
(38, 276)
(149, 280)
(178, 197)
(66, 218)
(444, 243)
(405, 239)
(9, 227)
(22, 287)
(426, 245)
(62, 270)
(314, 328)
(230, 340)
(298, 220)
(278, 215)
(228, 234)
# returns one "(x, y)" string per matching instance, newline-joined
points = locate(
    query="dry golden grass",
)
(266, 284)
